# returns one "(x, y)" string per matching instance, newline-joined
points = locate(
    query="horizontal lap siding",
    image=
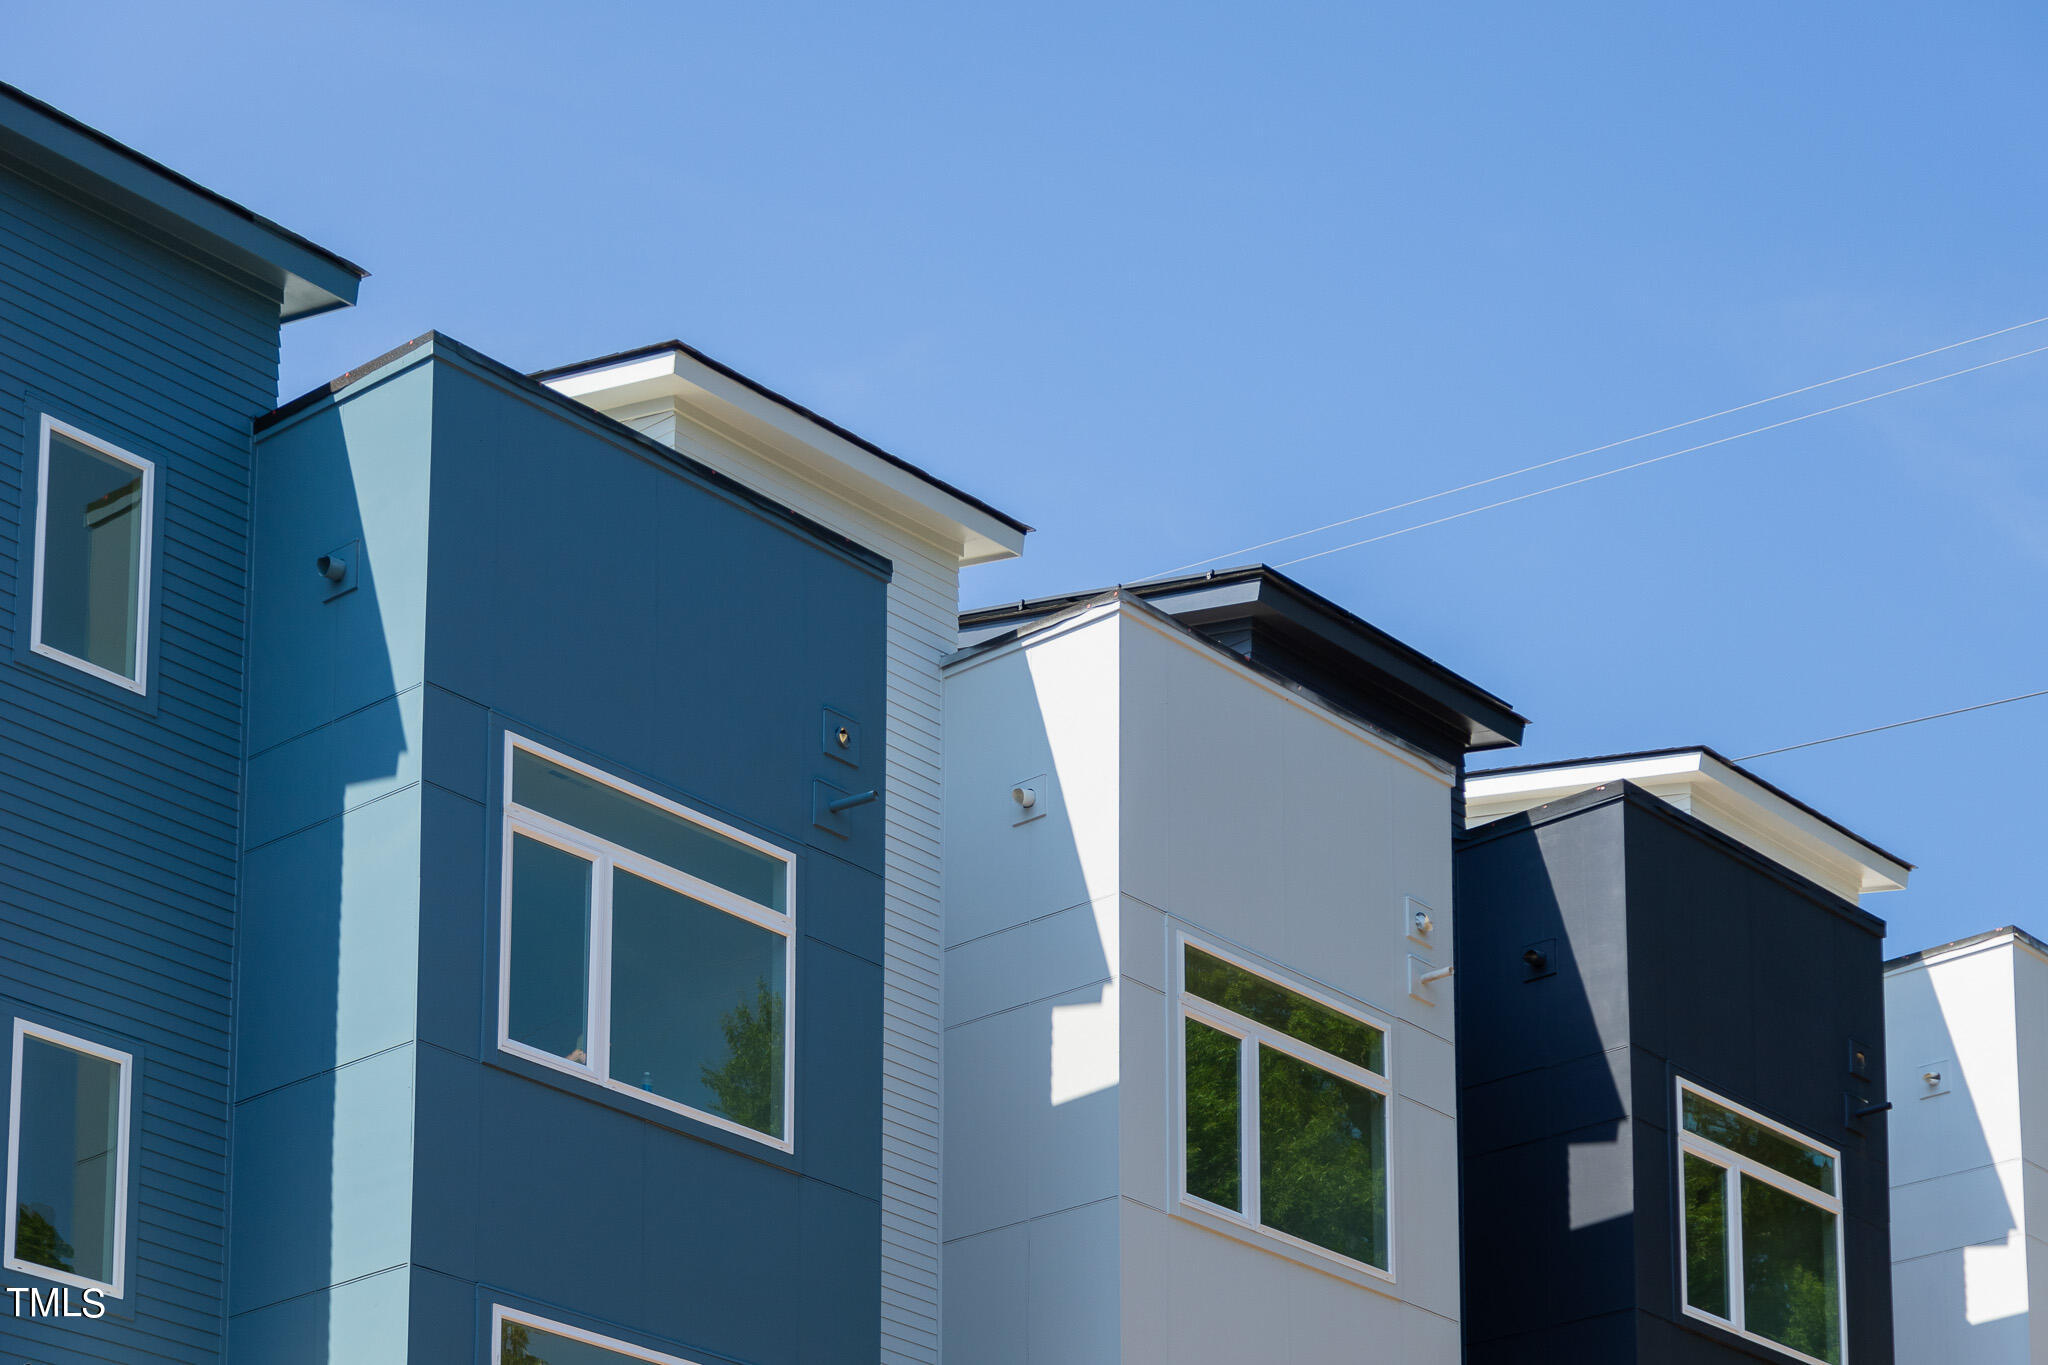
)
(118, 824)
(923, 602)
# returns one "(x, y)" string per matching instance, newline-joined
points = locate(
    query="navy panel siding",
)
(119, 815)
(1677, 953)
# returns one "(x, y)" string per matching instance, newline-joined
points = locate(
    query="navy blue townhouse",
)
(139, 329)
(1670, 1069)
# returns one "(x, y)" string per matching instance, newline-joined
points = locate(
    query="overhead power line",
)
(1897, 724)
(1658, 459)
(1595, 450)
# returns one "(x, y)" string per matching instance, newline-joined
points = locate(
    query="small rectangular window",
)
(527, 1339)
(67, 1173)
(1307, 1159)
(93, 530)
(645, 946)
(1762, 1228)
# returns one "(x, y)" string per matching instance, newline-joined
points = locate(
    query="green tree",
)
(518, 1347)
(36, 1240)
(748, 1083)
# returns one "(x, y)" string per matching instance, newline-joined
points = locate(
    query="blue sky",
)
(1170, 280)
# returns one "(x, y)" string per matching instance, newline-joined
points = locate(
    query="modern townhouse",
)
(1200, 1095)
(139, 329)
(1968, 1030)
(1671, 1069)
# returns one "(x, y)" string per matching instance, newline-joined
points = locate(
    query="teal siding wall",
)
(527, 566)
(119, 816)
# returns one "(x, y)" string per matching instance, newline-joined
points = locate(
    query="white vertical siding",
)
(923, 615)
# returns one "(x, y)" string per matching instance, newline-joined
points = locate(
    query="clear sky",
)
(1168, 280)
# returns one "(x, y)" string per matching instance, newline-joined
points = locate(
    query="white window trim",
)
(1217, 1017)
(500, 1315)
(1734, 1165)
(604, 856)
(23, 1030)
(139, 684)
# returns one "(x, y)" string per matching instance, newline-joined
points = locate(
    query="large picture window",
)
(67, 1167)
(1762, 1228)
(645, 946)
(1283, 1111)
(526, 1339)
(90, 607)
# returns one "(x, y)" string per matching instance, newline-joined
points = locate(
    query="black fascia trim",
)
(535, 391)
(1970, 941)
(173, 178)
(1710, 751)
(1258, 592)
(809, 415)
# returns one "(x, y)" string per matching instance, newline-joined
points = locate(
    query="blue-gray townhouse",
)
(442, 836)
(560, 1024)
(139, 328)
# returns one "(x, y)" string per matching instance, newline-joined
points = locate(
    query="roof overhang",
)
(1272, 620)
(1714, 790)
(818, 450)
(89, 164)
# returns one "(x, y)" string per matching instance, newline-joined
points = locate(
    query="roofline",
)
(582, 414)
(2012, 931)
(186, 185)
(1265, 575)
(808, 414)
(1773, 788)
(1628, 792)
(1026, 633)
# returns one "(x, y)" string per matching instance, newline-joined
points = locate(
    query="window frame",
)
(605, 856)
(125, 1061)
(500, 1315)
(1252, 1035)
(145, 554)
(1734, 1166)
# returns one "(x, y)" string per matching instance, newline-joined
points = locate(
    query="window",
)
(67, 1169)
(91, 604)
(646, 947)
(524, 1339)
(1283, 1111)
(1762, 1228)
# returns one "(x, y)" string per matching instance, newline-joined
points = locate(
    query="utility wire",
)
(1938, 715)
(1658, 459)
(1595, 450)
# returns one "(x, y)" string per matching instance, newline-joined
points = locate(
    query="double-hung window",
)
(1283, 1111)
(527, 1339)
(645, 946)
(1762, 1228)
(67, 1167)
(90, 606)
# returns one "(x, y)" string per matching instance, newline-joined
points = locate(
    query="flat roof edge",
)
(79, 156)
(789, 404)
(440, 345)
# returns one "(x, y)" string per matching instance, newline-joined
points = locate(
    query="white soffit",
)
(815, 452)
(1711, 790)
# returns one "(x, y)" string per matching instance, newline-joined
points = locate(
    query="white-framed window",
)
(1760, 1228)
(1281, 1108)
(646, 946)
(94, 522)
(67, 1159)
(527, 1339)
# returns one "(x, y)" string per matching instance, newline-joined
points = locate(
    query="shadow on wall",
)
(1959, 1273)
(1032, 1052)
(327, 969)
(1550, 1222)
